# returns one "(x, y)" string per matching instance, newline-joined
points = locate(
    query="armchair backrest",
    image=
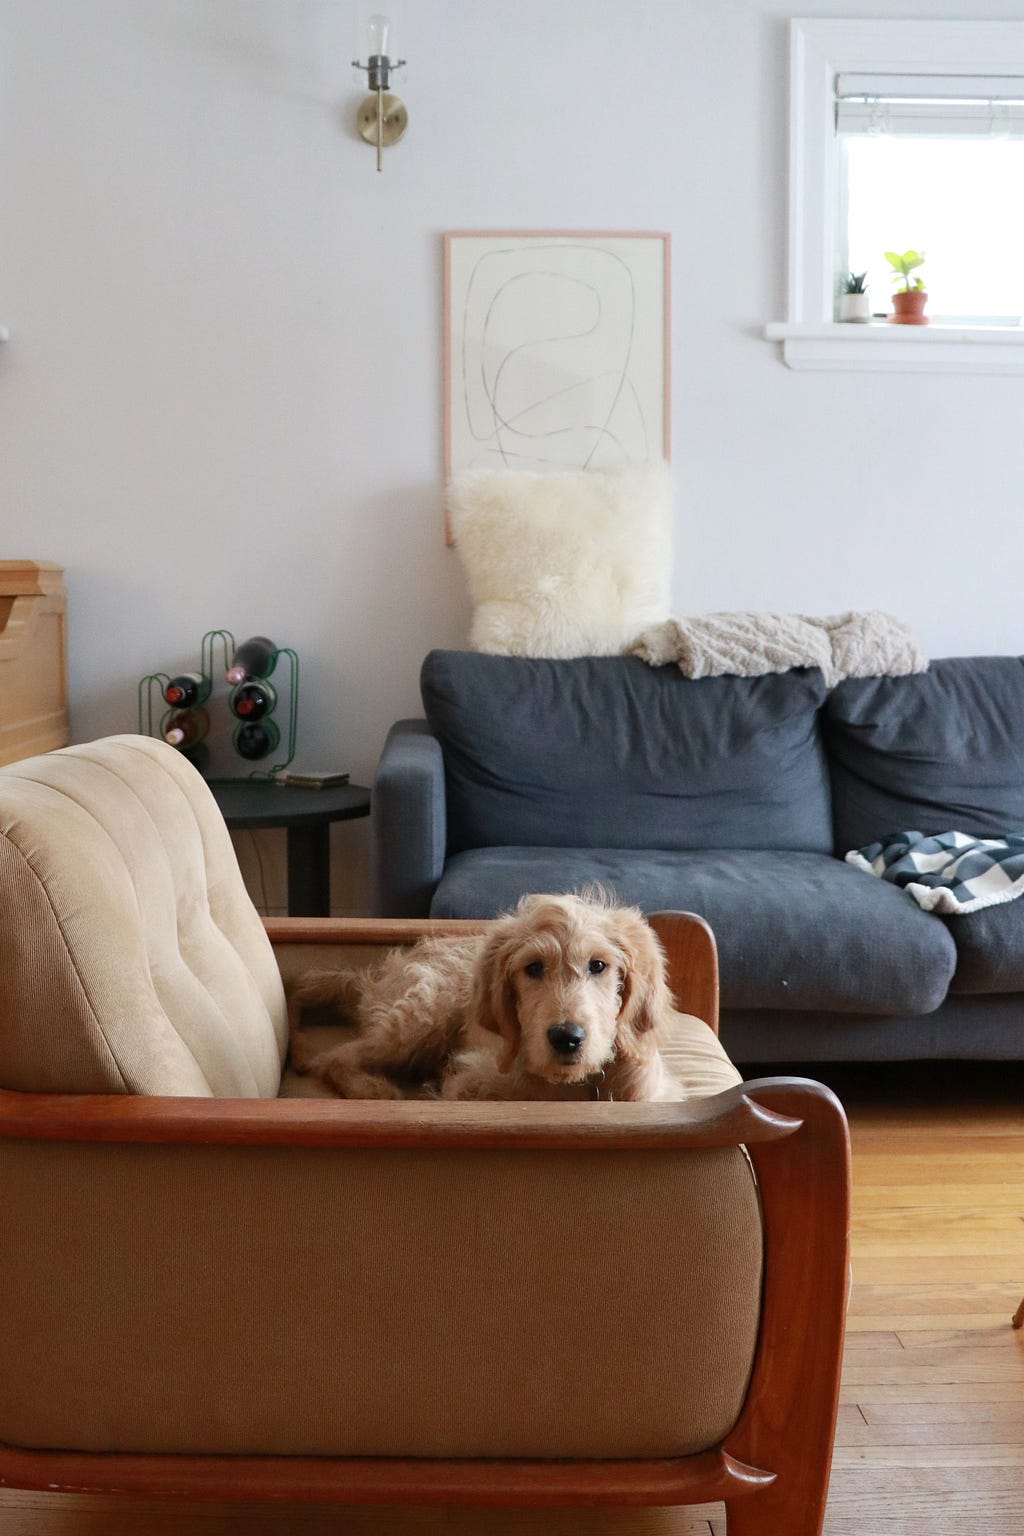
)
(131, 957)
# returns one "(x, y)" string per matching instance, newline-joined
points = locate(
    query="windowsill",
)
(884, 348)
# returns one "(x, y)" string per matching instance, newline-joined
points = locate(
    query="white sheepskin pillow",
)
(574, 563)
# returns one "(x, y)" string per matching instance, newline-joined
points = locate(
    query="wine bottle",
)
(256, 738)
(185, 728)
(253, 700)
(187, 690)
(198, 756)
(255, 657)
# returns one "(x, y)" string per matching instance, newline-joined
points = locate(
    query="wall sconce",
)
(382, 117)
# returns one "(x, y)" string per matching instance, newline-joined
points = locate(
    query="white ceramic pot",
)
(855, 306)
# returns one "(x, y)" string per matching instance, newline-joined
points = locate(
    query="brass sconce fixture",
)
(382, 117)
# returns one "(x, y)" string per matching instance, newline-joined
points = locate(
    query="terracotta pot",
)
(909, 308)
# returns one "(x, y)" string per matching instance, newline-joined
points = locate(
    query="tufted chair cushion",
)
(131, 958)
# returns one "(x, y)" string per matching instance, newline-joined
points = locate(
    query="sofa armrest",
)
(409, 824)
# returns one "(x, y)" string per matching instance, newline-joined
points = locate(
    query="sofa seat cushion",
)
(609, 752)
(938, 752)
(794, 930)
(989, 949)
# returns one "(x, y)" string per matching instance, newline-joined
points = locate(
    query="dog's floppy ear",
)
(646, 1000)
(493, 1001)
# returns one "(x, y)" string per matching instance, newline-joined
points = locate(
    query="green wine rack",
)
(153, 707)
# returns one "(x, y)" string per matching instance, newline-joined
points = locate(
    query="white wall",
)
(222, 402)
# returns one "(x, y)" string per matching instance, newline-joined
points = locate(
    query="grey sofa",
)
(735, 798)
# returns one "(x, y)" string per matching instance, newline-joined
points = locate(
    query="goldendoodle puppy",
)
(564, 998)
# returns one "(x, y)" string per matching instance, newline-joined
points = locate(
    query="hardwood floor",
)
(931, 1432)
(931, 1426)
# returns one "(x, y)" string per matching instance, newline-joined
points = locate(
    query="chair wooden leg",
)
(778, 1511)
(1018, 1316)
(788, 1421)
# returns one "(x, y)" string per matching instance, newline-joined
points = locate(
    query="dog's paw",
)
(352, 1083)
(300, 1052)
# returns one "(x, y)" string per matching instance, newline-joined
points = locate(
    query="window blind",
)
(931, 106)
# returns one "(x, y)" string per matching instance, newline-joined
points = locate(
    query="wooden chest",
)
(33, 659)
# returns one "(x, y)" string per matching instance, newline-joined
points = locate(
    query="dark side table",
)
(307, 815)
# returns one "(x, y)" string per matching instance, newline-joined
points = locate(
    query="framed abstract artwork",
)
(556, 350)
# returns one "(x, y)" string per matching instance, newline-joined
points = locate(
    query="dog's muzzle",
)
(566, 1039)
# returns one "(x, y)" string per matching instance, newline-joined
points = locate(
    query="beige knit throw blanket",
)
(872, 644)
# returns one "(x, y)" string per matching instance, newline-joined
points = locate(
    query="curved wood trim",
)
(727, 1119)
(692, 956)
(791, 1407)
(687, 1480)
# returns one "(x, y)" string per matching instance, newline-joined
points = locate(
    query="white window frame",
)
(819, 50)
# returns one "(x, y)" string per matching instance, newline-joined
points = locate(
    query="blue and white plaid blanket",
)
(952, 873)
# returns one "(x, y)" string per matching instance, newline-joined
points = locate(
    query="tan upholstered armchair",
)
(212, 1286)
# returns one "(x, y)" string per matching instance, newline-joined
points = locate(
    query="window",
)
(907, 134)
(935, 164)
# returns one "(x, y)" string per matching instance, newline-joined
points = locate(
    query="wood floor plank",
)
(872, 1342)
(899, 1419)
(1007, 1269)
(941, 1482)
(953, 1363)
(885, 1519)
(980, 1336)
(937, 1454)
(939, 1298)
(908, 1199)
(879, 1170)
(935, 1235)
(945, 1143)
(963, 1392)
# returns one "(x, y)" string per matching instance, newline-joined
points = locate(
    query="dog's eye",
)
(596, 967)
(535, 969)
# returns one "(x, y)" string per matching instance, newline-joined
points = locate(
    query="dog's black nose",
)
(566, 1038)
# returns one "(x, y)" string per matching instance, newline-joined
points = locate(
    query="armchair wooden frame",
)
(771, 1470)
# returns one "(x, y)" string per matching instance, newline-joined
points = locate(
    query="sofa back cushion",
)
(131, 958)
(934, 752)
(607, 752)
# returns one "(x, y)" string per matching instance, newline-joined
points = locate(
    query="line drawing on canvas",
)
(555, 352)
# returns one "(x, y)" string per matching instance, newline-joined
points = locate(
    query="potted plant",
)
(909, 300)
(854, 301)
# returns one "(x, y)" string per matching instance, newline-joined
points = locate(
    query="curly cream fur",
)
(470, 1017)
